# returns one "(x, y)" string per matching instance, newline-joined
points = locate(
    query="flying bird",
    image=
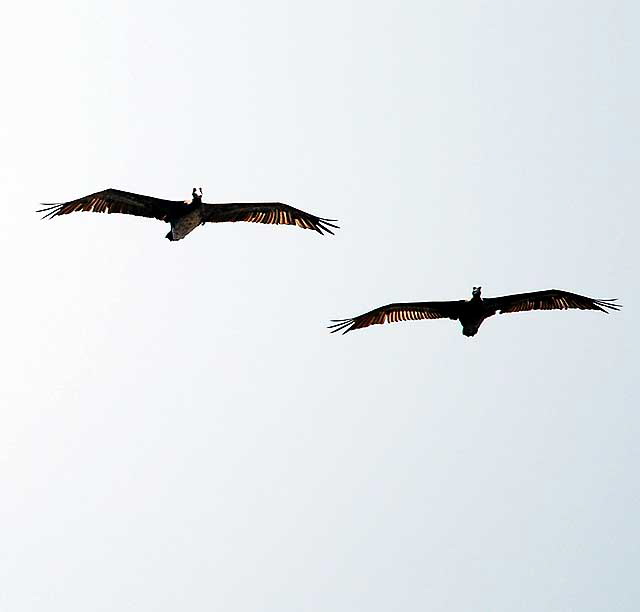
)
(185, 216)
(471, 313)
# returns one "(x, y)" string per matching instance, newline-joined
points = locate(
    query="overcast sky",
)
(179, 431)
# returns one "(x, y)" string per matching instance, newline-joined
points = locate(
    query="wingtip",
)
(330, 223)
(50, 210)
(608, 304)
(323, 225)
(340, 325)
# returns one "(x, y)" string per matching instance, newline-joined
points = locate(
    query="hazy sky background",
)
(179, 431)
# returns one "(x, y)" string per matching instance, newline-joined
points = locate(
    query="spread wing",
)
(116, 201)
(551, 299)
(391, 313)
(266, 212)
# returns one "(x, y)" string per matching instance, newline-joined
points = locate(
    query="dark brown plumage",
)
(471, 313)
(186, 216)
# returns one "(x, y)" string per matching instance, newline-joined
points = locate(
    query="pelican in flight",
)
(185, 216)
(471, 313)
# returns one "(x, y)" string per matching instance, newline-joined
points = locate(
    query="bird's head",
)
(196, 198)
(476, 291)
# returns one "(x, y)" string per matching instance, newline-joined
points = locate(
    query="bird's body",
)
(185, 224)
(471, 313)
(191, 219)
(184, 217)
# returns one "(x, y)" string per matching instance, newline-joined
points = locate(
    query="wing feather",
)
(393, 313)
(275, 213)
(117, 201)
(550, 299)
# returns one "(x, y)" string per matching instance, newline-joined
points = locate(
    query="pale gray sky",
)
(178, 430)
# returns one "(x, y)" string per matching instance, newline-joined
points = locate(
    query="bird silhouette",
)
(471, 313)
(185, 216)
